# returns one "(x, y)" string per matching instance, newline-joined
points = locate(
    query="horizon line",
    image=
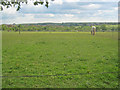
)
(66, 22)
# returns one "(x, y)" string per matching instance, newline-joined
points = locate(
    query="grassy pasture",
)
(36, 53)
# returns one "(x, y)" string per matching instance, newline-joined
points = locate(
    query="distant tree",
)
(103, 27)
(4, 27)
(113, 28)
(15, 28)
(97, 28)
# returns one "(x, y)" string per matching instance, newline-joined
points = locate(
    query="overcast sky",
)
(63, 11)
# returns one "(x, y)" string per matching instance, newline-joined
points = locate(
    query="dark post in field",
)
(19, 28)
(112, 31)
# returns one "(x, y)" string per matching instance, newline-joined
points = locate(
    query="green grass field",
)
(37, 53)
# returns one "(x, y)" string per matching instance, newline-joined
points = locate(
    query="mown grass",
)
(60, 53)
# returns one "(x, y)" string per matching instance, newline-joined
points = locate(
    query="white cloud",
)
(109, 0)
(115, 8)
(98, 19)
(68, 15)
(103, 12)
(91, 0)
(30, 16)
(11, 10)
(99, 12)
(51, 15)
(42, 15)
(75, 11)
(91, 6)
(60, 2)
(72, 0)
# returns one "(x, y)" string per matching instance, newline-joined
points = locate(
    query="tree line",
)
(57, 28)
